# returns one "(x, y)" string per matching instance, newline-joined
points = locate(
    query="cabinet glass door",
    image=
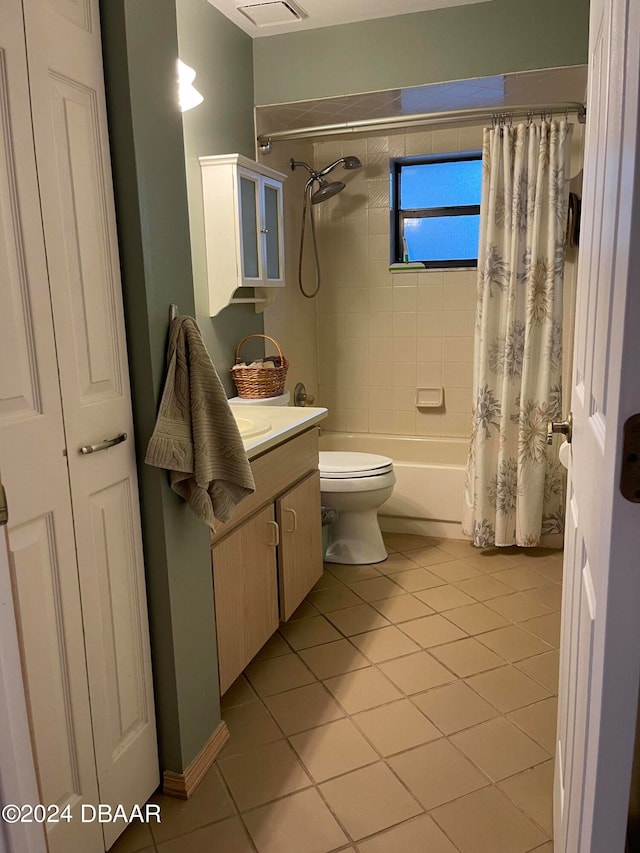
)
(273, 229)
(249, 227)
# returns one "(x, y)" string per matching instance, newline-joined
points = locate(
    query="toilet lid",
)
(335, 464)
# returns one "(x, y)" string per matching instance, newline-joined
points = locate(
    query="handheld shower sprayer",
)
(324, 191)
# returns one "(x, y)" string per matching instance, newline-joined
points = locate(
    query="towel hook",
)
(173, 312)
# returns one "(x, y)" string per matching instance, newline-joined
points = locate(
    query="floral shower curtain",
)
(514, 488)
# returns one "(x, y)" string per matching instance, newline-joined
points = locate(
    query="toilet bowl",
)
(356, 484)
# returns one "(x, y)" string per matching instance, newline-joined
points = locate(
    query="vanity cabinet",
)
(269, 555)
(244, 232)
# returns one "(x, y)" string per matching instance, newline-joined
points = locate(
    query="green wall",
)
(222, 56)
(426, 47)
(140, 49)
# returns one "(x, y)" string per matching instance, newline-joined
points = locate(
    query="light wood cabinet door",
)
(246, 593)
(300, 554)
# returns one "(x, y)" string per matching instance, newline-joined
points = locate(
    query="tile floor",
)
(408, 706)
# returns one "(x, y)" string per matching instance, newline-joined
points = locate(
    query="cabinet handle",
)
(294, 519)
(277, 534)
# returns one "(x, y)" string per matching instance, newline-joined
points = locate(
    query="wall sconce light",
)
(188, 95)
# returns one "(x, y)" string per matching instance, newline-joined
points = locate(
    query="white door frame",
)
(18, 784)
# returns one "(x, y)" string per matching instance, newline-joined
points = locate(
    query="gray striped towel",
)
(196, 436)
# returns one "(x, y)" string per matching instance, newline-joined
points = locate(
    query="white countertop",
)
(284, 422)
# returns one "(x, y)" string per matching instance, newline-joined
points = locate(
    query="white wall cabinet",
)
(267, 558)
(244, 231)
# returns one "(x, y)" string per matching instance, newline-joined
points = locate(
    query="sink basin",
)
(250, 427)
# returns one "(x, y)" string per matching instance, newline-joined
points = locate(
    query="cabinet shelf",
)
(244, 231)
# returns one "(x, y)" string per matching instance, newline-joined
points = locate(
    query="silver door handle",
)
(564, 427)
(103, 445)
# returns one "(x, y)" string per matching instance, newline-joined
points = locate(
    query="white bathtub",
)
(427, 497)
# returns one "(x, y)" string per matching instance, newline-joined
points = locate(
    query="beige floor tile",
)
(454, 571)
(507, 688)
(304, 633)
(421, 835)
(540, 722)
(517, 607)
(333, 598)
(444, 598)
(365, 688)
(484, 587)
(550, 595)
(274, 676)
(209, 802)
(487, 822)
(349, 574)
(356, 620)
(402, 608)
(467, 657)
(327, 580)
(429, 556)
(369, 800)
(331, 750)
(499, 748)
(273, 648)
(458, 548)
(432, 631)
(545, 627)
(136, 837)
(396, 727)
(416, 579)
(376, 588)
(396, 563)
(532, 791)
(437, 773)
(300, 822)
(226, 836)
(476, 618)
(385, 643)
(544, 669)
(549, 568)
(239, 693)
(250, 726)
(333, 659)
(521, 578)
(263, 775)
(303, 708)
(490, 561)
(454, 707)
(513, 644)
(407, 541)
(416, 673)
(305, 611)
(546, 848)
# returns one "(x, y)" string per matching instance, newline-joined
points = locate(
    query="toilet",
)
(356, 484)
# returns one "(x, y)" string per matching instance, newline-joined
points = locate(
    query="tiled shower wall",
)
(373, 337)
(382, 335)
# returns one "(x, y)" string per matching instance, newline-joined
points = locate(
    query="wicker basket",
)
(258, 383)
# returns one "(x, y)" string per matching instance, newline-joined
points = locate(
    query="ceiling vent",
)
(270, 14)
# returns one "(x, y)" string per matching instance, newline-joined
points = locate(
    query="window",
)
(436, 206)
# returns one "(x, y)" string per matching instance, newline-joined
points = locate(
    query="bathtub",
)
(427, 497)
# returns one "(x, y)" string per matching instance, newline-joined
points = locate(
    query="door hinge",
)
(630, 469)
(4, 508)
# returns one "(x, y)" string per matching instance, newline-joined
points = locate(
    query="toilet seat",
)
(340, 465)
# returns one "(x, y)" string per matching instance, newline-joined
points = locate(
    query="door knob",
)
(564, 427)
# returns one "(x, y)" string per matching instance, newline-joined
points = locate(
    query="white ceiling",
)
(327, 13)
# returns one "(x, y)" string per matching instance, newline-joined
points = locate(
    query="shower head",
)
(326, 190)
(347, 163)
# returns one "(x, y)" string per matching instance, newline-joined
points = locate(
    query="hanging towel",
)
(196, 436)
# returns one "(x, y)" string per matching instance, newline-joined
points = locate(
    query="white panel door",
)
(72, 153)
(600, 650)
(34, 469)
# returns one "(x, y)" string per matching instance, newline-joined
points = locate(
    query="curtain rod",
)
(418, 120)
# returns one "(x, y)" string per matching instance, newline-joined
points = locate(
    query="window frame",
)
(399, 214)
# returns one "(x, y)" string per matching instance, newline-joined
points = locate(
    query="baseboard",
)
(182, 785)
(421, 526)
